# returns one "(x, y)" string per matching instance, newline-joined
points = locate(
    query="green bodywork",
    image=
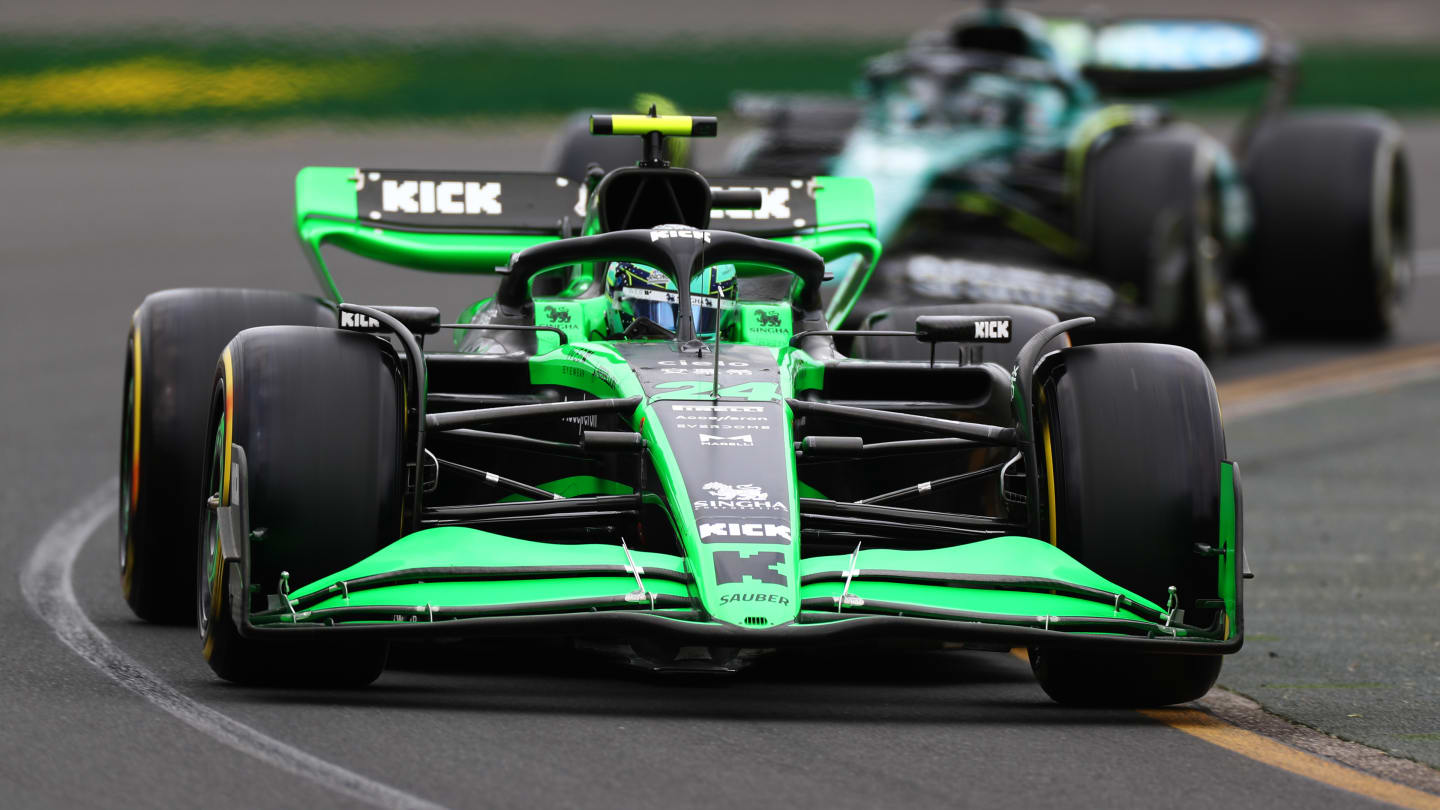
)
(446, 573)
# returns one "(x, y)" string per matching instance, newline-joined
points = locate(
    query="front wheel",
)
(1131, 453)
(318, 417)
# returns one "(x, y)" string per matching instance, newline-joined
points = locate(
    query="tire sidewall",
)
(1332, 242)
(1150, 202)
(174, 339)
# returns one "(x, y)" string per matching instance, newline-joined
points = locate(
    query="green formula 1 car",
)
(646, 442)
(1026, 160)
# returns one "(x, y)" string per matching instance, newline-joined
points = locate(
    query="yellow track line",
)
(1266, 751)
(1321, 380)
(1262, 749)
(1280, 390)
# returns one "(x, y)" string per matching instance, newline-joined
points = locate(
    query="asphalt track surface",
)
(89, 229)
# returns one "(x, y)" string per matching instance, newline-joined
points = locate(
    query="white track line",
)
(46, 583)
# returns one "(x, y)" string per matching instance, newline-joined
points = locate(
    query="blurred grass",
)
(202, 80)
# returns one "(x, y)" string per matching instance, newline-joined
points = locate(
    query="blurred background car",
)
(1006, 171)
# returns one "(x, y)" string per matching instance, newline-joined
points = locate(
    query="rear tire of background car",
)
(1151, 221)
(175, 337)
(1024, 323)
(1332, 244)
(1131, 447)
(319, 416)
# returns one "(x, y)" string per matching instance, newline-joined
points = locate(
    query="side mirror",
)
(419, 320)
(962, 329)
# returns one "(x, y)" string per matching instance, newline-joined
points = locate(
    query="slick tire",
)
(318, 415)
(1024, 323)
(1151, 221)
(1332, 246)
(1109, 679)
(1131, 446)
(175, 337)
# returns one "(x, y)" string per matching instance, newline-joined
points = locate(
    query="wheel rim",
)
(1211, 316)
(1211, 297)
(1048, 469)
(1396, 271)
(207, 591)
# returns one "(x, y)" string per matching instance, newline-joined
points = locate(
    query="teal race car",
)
(647, 442)
(1024, 160)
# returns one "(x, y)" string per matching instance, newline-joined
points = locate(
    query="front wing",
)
(461, 582)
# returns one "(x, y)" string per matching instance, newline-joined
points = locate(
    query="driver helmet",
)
(640, 291)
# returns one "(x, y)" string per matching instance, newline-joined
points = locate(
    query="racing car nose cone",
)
(736, 462)
(731, 466)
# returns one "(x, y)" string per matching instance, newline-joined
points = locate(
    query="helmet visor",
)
(662, 307)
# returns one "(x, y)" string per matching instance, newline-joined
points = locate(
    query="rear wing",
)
(449, 222)
(1168, 54)
(833, 216)
(472, 222)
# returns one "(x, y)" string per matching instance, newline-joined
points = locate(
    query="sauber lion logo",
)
(737, 492)
(736, 498)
